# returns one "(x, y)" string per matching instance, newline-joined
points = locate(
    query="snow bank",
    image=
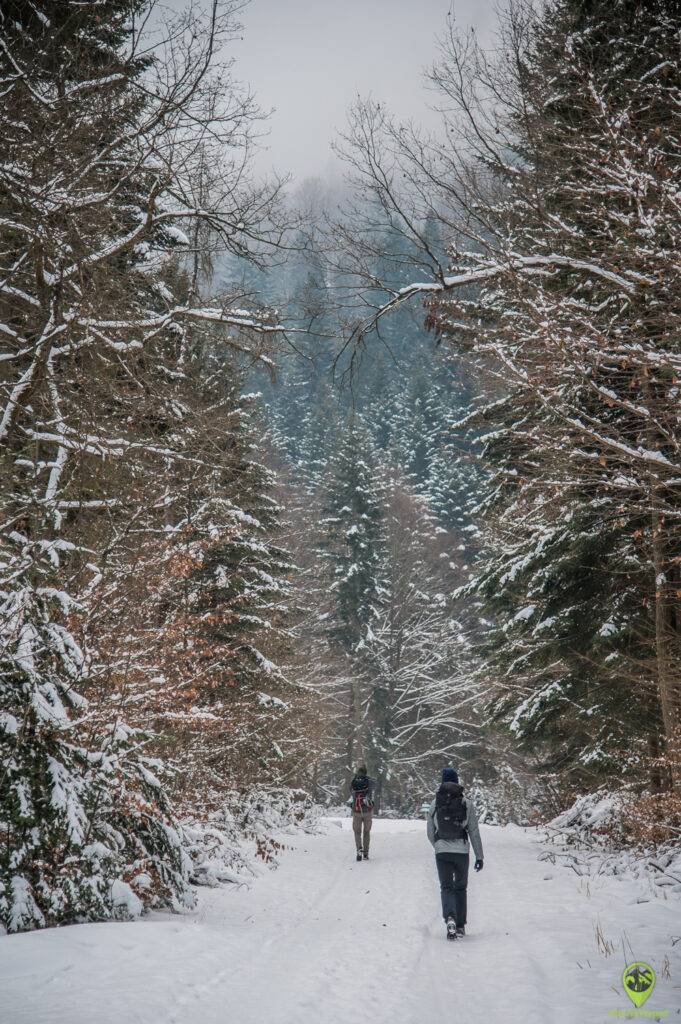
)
(592, 839)
(233, 843)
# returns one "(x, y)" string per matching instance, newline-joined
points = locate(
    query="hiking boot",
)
(460, 931)
(366, 855)
(359, 855)
(451, 928)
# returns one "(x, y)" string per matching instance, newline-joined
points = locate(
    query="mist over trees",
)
(386, 474)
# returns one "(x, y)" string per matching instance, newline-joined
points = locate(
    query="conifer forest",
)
(380, 468)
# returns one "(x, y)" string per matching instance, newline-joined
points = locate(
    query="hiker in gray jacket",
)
(452, 823)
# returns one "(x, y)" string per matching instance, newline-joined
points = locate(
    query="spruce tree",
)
(352, 528)
(353, 522)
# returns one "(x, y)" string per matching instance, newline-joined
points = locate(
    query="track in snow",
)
(325, 940)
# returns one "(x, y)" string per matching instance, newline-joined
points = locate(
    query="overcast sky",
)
(309, 59)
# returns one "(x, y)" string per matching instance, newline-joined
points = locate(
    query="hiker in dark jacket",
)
(452, 827)
(362, 803)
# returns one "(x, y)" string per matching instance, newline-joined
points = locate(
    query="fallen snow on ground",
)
(325, 940)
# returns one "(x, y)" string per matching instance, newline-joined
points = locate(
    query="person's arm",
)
(474, 831)
(430, 824)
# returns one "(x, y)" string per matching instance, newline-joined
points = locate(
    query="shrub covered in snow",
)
(621, 833)
(248, 830)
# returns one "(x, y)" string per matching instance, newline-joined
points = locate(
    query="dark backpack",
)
(360, 793)
(451, 812)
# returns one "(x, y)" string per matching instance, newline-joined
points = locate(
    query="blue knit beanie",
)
(449, 775)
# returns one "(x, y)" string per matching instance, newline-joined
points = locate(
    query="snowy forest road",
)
(325, 940)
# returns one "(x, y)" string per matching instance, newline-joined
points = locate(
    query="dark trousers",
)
(452, 870)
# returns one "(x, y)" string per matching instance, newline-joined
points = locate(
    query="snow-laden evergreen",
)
(83, 812)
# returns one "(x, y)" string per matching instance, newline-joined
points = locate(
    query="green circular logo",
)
(639, 981)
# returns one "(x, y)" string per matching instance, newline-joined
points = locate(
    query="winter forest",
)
(381, 468)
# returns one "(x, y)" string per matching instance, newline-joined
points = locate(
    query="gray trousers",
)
(361, 826)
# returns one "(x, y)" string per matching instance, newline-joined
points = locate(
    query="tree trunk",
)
(354, 747)
(669, 678)
(656, 780)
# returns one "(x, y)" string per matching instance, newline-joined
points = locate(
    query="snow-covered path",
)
(324, 940)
